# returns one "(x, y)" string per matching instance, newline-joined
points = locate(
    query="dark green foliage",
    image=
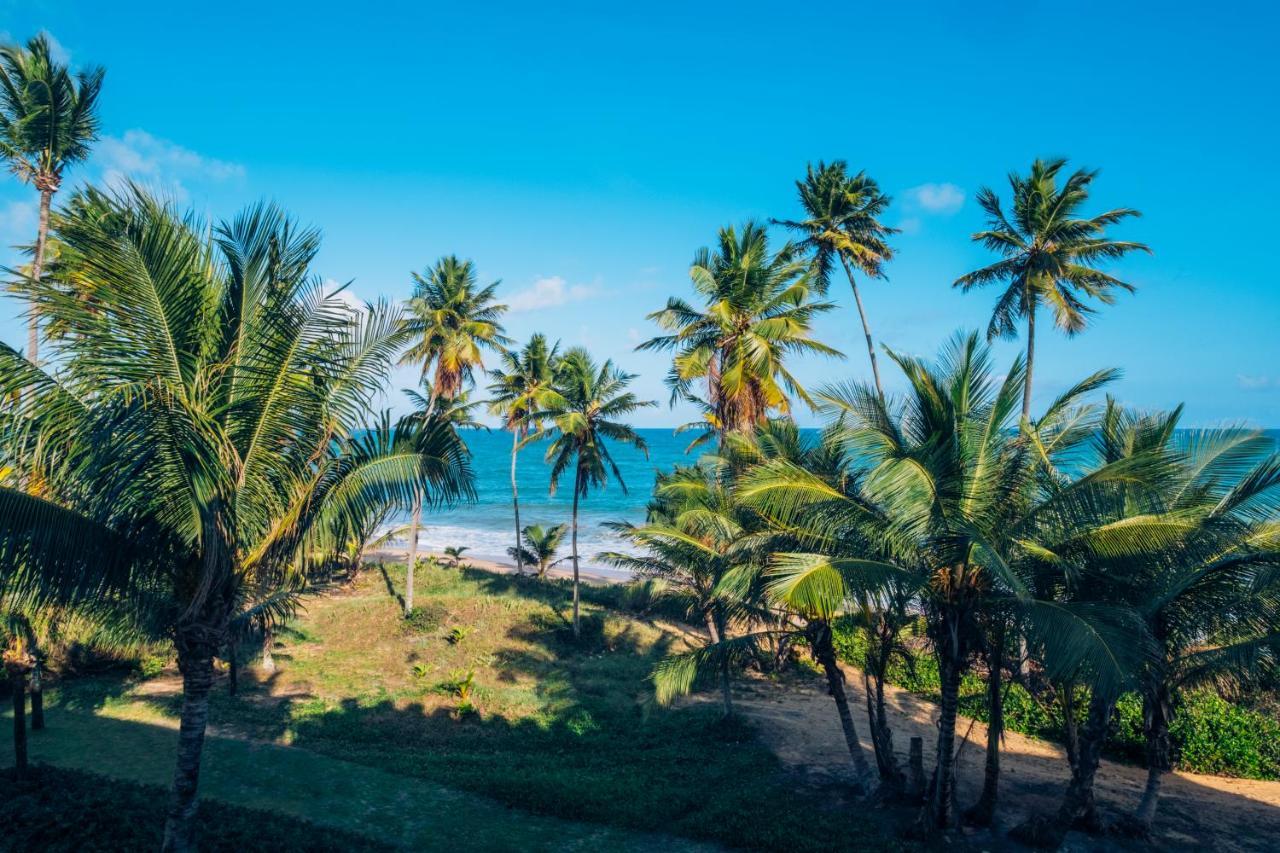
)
(1210, 734)
(425, 618)
(66, 810)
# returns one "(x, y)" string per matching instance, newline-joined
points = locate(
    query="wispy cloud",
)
(159, 164)
(1257, 383)
(548, 293)
(936, 199)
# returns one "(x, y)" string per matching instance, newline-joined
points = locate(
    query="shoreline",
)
(506, 567)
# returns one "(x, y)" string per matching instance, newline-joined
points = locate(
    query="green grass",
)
(560, 730)
(56, 809)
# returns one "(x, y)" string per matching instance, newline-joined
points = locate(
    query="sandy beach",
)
(593, 574)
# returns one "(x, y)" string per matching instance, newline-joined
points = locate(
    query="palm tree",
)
(758, 309)
(1194, 554)
(517, 390)
(452, 321)
(539, 546)
(842, 220)
(583, 410)
(18, 661)
(691, 539)
(48, 120)
(454, 553)
(1050, 255)
(197, 436)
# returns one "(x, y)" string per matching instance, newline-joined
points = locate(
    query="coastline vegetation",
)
(192, 451)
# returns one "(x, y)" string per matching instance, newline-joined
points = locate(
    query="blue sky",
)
(581, 154)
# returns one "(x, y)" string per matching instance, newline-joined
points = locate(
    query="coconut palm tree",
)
(197, 434)
(582, 413)
(1049, 255)
(692, 538)
(539, 546)
(758, 309)
(1193, 553)
(48, 121)
(517, 388)
(451, 322)
(842, 220)
(937, 503)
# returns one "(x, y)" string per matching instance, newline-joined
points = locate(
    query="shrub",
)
(425, 618)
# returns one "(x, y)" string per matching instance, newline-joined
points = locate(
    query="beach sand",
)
(506, 567)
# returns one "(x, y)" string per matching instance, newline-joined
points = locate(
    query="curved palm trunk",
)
(577, 488)
(515, 499)
(37, 268)
(18, 685)
(197, 679)
(873, 678)
(824, 652)
(413, 553)
(866, 327)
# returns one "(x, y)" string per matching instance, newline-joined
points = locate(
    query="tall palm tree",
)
(539, 546)
(842, 220)
(1050, 255)
(48, 121)
(451, 322)
(583, 412)
(758, 309)
(517, 389)
(196, 438)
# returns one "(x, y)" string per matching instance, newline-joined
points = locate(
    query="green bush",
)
(426, 618)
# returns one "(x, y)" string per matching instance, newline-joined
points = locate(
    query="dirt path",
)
(1196, 812)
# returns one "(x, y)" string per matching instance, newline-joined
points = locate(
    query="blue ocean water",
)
(487, 526)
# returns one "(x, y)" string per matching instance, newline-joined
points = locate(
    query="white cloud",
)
(159, 164)
(337, 289)
(1257, 383)
(548, 293)
(940, 199)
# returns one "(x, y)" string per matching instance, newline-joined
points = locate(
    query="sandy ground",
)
(564, 570)
(1196, 812)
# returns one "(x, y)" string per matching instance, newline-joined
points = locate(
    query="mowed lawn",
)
(368, 725)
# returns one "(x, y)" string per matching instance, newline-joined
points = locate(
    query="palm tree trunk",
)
(268, 643)
(37, 268)
(37, 699)
(197, 680)
(413, 553)
(1070, 725)
(984, 810)
(18, 685)
(941, 806)
(515, 500)
(824, 652)
(1078, 803)
(1031, 357)
(873, 677)
(1156, 720)
(577, 484)
(866, 327)
(726, 685)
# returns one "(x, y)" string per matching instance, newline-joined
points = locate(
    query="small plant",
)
(152, 665)
(454, 553)
(456, 635)
(422, 670)
(425, 618)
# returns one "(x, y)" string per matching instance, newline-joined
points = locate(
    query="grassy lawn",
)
(384, 745)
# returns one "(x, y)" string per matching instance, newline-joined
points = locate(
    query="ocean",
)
(487, 527)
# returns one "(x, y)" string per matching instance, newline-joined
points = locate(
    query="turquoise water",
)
(487, 526)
